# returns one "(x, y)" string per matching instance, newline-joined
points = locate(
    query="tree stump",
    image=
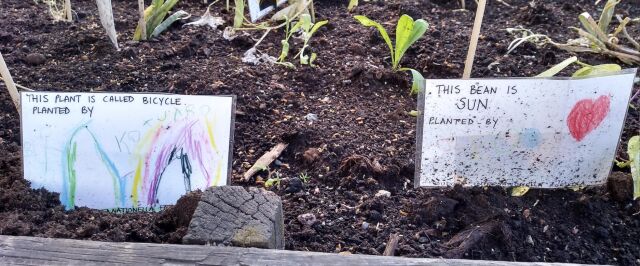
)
(233, 215)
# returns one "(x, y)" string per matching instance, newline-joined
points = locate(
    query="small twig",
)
(264, 161)
(504, 3)
(634, 96)
(626, 34)
(392, 245)
(19, 86)
(11, 86)
(475, 33)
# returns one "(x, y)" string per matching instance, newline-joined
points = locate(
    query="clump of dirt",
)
(176, 218)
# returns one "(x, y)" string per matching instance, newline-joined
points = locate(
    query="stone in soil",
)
(35, 59)
(233, 215)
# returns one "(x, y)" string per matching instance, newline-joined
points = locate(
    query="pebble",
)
(423, 239)
(293, 186)
(383, 193)
(35, 59)
(375, 216)
(601, 232)
(530, 240)
(311, 117)
(365, 225)
(307, 219)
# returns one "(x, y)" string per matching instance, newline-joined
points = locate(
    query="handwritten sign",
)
(506, 132)
(125, 151)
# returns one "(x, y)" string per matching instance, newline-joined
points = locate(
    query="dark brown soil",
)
(362, 142)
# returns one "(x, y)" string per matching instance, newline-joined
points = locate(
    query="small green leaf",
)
(352, 4)
(633, 149)
(557, 68)
(596, 70)
(285, 50)
(417, 81)
(295, 28)
(576, 188)
(370, 23)
(607, 14)
(238, 17)
(271, 182)
(317, 26)
(167, 22)
(591, 27)
(159, 13)
(313, 58)
(407, 32)
(414, 113)
(519, 191)
(622, 164)
(305, 20)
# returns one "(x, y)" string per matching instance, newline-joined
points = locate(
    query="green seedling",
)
(594, 37)
(273, 181)
(408, 32)
(304, 177)
(633, 149)
(154, 17)
(307, 29)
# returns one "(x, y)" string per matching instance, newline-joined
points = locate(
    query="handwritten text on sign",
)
(534, 132)
(125, 151)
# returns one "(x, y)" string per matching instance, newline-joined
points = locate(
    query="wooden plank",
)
(21, 250)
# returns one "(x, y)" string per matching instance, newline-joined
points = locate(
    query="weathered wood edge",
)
(21, 250)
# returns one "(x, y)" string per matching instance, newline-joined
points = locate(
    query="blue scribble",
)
(530, 137)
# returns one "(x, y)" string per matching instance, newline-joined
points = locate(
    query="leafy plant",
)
(633, 149)
(408, 32)
(154, 17)
(585, 71)
(307, 29)
(304, 177)
(595, 37)
(273, 181)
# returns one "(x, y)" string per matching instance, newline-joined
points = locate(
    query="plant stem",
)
(475, 33)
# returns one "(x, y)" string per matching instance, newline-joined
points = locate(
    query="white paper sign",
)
(131, 152)
(260, 8)
(536, 132)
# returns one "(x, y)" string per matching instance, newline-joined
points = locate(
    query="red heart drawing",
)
(587, 115)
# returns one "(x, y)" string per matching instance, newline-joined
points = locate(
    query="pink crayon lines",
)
(183, 141)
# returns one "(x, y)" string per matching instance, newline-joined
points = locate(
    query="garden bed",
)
(363, 140)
